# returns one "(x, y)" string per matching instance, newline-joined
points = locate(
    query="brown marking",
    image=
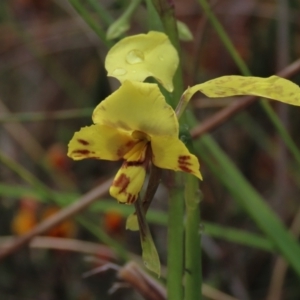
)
(123, 150)
(130, 198)
(185, 169)
(135, 163)
(183, 163)
(83, 142)
(122, 182)
(183, 160)
(82, 151)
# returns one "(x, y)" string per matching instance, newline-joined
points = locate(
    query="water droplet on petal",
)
(119, 72)
(135, 57)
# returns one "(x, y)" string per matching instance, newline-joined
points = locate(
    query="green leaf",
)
(184, 32)
(273, 87)
(149, 255)
(132, 222)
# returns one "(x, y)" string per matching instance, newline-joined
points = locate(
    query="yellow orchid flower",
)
(144, 55)
(135, 124)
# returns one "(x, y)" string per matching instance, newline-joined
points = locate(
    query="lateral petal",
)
(128, 182)
(140, 56)
(137, 106)
(273, 87)
(171, 153)
(101, 142)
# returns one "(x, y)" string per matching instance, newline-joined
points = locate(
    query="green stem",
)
(193, 265)
(193, 280)
(122, 24)
(176, 205)
(154, 21)
(101, 11)
(175, 242)
(90, 21)
(166, 12)
(133, 5)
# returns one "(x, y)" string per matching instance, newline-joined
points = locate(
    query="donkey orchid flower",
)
(137, 125)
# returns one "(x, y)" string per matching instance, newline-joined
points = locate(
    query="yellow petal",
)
(137, 152)
(140, 56)
(128, 182)
(137, 106)
(273, 87)
(101, 142)
(171, 153)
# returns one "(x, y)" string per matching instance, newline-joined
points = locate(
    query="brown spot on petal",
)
(123, 150)
(122, 182)
(83, 142)
(82, 151)
(185, 169)
(184, 159)
(183, 163)
(136, 163)
(131, 198)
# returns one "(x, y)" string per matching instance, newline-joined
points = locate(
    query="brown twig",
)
(23, 137)
(225, 114)
(56, 219)
(149, 288)
(65, 244)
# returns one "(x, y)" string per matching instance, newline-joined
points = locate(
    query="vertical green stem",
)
(176, 204)
(131, 8)
(193, 277)
(193, 265)
(166, 12)
(175, 242)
